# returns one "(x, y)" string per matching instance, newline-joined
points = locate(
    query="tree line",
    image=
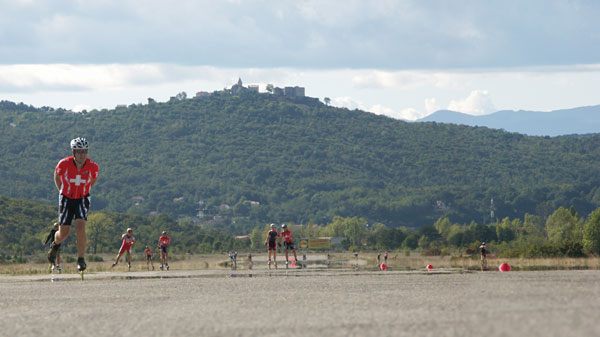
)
(25, 225)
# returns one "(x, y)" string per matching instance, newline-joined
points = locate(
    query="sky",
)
(403, 59)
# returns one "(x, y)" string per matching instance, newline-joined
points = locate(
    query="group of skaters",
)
(273, 241)
(385, 258)
(163, 247)
(127, 241)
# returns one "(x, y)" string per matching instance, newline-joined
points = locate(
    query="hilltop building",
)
(292, 92)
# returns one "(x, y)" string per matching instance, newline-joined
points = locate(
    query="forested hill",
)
(300, 159)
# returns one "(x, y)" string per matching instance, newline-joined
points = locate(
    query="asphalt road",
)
(303, 303)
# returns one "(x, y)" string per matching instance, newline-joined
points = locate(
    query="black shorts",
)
(72, 208)
(272, 245)
(163, 249)
(148, 257)
(288, 245)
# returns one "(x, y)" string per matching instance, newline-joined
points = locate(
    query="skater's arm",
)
(57, 181)
(93, 181)
(48, 238)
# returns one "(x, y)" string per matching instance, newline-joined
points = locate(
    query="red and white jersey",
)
(286, 235)
(164, 241)
(148, 252)
(76, 183)
(127, 240)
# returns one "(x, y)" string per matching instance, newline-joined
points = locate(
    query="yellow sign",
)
(304, 244)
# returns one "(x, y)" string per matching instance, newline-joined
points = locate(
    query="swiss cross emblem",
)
(78, 181)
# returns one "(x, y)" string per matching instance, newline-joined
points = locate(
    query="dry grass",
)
(396, 261)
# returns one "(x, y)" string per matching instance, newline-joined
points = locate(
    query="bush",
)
(433, 251)
(95, 258)
(471, 251)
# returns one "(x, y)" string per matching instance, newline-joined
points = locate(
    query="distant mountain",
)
(582, 120)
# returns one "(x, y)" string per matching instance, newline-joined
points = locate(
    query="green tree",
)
(327, 100)
(534, 225)
(442, 225)
(563, 227)
(97, 229)
(591, 233)
(355, 230)
(257, 237)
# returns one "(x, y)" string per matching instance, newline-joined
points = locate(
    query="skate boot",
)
(81, 265)
(167, 266)
(59, 268)
(269, 264)
(53, 252)
(161, 267)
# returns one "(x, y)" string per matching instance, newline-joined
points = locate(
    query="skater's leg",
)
(81, 237)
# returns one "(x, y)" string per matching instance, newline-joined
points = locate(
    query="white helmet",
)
(284, 226)
(79, 143)
(273, 225)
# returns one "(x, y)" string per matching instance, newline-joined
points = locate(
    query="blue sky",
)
(404, 59)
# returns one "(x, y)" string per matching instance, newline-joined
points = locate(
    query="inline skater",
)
(163, 243)
(250, 263)
(128, 241)
(50, 238)
(149, 262)
(74, 176)
(271, 243)
(483, 249)
(288, 243)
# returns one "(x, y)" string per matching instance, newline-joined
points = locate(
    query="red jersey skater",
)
(163, 244)
(128, 241)
(288, 243)
(149, 262)
(74, 176)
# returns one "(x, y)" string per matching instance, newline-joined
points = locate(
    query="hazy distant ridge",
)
(582, 120)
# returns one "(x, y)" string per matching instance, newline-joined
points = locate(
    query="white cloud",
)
(479, 102)
(379, 109)
(81, 107)
(410, 114)
(431, 106)
(347, 102)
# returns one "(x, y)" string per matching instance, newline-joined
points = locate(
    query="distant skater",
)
(288, 243)
(483, 249)
(379, 259)
(127, 241)
(74, 176)
(385, 257)
(233, 259)
(271, 243)
(50, 238)
(163, 245)
(149, 262)
(250, 263)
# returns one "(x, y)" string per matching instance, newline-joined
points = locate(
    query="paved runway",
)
(303, 303)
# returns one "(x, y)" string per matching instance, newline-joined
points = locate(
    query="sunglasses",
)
(81, 151)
